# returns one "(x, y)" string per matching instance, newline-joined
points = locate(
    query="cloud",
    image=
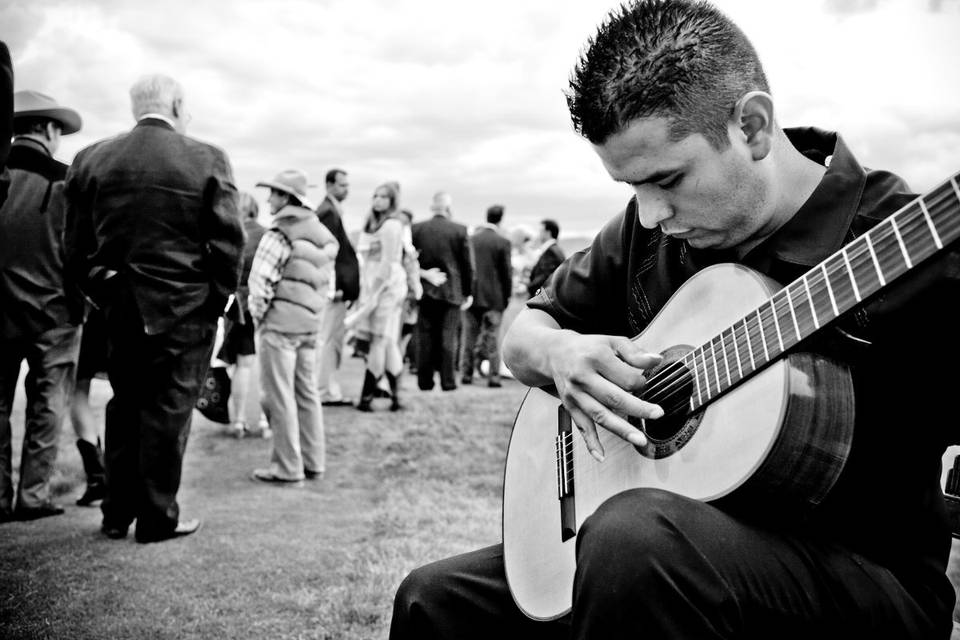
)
(468, 97)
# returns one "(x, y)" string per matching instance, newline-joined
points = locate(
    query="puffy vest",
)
(304, 289)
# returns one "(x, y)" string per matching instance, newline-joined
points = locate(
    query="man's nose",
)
(652, 209)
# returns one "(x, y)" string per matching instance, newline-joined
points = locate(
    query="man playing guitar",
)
(675, 102)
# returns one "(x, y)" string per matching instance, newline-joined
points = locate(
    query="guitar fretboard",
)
(838, 284)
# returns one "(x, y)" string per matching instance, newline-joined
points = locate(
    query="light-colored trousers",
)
(330, 350)
(288, 383)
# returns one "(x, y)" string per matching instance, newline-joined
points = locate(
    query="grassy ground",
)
(318, 562)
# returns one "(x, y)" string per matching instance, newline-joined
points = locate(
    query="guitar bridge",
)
(565, 485)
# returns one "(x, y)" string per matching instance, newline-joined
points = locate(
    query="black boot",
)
(394, 392)
(92, 457)
(369, 389)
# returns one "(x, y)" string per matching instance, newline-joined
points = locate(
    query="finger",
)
(588, 431)
(621, 402)
(605, 405)
(634, 355)
(623, 374)
(594, 414)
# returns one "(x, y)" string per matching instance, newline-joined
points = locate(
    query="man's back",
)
(493, 271)
(444, 244)
(31, 225)
(162, 209)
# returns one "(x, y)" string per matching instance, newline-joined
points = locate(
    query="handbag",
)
(214, 395)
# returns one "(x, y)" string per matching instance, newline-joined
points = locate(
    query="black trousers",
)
(156, 381)
(652, 564)
(438, 329)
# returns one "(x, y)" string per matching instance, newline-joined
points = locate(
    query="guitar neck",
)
(826, 292)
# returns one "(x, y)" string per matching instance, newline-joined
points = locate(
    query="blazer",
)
(546, 264)
(6, 116)
(493, 270)
(32, 295)
(159, 208)
(444, 244)
(345, 267)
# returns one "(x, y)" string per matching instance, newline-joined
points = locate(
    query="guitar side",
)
(755, 441)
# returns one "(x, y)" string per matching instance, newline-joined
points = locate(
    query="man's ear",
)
(176, 107)
(753, 119)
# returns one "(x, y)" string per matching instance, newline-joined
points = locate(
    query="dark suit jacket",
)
(6, 116)
(443, 243)
(346, 268)
(493, 274)
(161, 209)
(547, 263)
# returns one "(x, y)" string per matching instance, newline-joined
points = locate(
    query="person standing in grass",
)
(383, 287)
(39, 321)
(290, 284)
(239, 346)
(152, 237)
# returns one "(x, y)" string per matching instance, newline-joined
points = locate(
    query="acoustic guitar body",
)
(778, 439)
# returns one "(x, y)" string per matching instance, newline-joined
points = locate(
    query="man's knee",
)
(418, 594)
(640, 530)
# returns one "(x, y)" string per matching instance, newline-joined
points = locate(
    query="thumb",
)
(628, 351)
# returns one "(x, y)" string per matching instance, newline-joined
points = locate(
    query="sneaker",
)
(265, 475)
(312, 475)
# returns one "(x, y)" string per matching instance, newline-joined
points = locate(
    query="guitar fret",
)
(903, 247)
(933, 229)
(793, 314)
(726, 365)
(736, 350)
(826, 280)
(746, 333)
(763, 340)
(813, 310)
(776, 325)
(696, 379)
(956, 189)
(706, 376)
(846, 260)
(716, 370)
(876, 263)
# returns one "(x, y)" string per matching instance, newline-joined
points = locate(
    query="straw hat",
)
(290, 181)
(39, 105)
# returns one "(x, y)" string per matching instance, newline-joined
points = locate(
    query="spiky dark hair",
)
(679, 59)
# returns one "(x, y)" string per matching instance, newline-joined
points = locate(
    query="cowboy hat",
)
(39, 105)
(290, 181)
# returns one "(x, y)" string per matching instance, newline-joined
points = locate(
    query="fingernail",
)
(596, 455)
(637, 439)
(656, 413)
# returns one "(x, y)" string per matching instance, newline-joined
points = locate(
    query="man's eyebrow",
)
(656, 176)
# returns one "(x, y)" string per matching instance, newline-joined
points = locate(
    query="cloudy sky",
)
(468, 96)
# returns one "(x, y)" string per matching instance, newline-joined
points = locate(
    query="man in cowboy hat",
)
(154, 238)
(291, 282)
(38, 320)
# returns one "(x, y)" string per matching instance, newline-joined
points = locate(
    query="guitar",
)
(734, 387)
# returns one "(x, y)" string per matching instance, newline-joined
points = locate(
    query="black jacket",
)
(161, 209)
(346, 267)
(445, 244)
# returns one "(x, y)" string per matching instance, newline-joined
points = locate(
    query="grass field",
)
(319, 562)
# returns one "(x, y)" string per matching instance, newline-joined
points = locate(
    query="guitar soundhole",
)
(670, 385)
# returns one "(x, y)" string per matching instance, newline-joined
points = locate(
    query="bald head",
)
(442, 203)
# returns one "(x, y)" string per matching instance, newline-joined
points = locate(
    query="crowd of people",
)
(142, 258)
